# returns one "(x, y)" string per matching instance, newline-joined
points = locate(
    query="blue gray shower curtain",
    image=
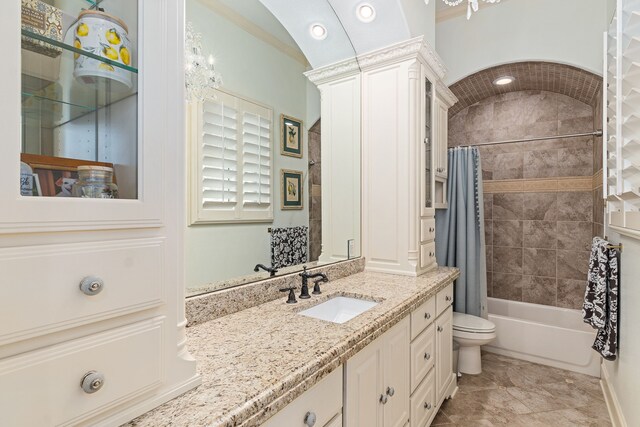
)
(460, 231)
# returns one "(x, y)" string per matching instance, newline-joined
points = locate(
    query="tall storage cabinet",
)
(404, 142)
(92, 296)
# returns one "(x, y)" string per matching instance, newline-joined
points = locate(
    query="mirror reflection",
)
(255, 141)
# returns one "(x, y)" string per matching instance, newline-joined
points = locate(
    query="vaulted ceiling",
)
(564, 79)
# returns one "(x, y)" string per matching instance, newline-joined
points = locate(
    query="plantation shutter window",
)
(231, 177)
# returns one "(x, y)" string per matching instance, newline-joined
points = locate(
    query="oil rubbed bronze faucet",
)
(272, 271)
(304, 292)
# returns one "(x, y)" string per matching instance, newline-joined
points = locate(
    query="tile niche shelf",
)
(93, 118)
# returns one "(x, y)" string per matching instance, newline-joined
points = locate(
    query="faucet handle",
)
(291, 299)
(316, 286)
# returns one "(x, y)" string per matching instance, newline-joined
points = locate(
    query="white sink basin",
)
(339, 309)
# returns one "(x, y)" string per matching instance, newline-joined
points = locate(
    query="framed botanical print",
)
(291, 138)
(291, 189)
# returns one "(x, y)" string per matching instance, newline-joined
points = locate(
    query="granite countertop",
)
(256, 361)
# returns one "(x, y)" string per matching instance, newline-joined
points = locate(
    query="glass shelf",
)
(59, 99)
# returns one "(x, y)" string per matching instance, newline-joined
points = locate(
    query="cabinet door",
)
(62, 112)
(440, 138)
(443, 138)
(444, 351)
(396, 374)
(363, 387)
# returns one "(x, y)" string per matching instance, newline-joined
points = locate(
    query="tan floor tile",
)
(515, 393)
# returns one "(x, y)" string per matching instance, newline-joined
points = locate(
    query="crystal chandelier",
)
(472, 5)
(200, 73)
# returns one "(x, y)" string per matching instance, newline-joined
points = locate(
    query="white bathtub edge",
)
(610, 397)
(587, 370)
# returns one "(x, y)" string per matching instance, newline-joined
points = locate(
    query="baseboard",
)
(613, 405)
(591, 369)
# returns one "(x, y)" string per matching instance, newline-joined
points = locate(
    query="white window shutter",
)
(219, 154)
(231, 176)
(256, 160)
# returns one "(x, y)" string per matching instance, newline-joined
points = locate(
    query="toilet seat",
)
(472, 324)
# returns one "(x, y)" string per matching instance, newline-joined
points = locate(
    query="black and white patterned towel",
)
(289, 246)
(600, 307)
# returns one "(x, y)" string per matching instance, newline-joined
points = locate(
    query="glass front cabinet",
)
(85, 142)
(92, 165)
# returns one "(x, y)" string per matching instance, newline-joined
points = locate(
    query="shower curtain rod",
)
(541, 138)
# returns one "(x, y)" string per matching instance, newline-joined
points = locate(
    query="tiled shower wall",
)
(538, 224)
(315, 193)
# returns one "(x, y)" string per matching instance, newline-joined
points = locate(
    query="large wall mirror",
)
(255, 149)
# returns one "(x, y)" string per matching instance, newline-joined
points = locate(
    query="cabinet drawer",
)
(323, 399)
(423, 352)
(46, 279)
(423, 402)
(427, 254)
(422, 317)
(427, 230)
(444, 298)
(43, 387)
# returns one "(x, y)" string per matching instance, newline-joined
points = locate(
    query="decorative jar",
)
(106, 36)
(95, 182)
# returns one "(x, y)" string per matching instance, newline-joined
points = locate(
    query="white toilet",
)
(470, 332)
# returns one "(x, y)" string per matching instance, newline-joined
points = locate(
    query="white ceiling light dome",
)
(365, 12)
(318, 31)
(504, 80)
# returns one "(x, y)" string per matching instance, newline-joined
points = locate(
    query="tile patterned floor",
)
(516, 393)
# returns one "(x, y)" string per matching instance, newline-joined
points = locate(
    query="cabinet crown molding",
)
(413, 48)
(445, 94)
(416, 47)
(335, 71)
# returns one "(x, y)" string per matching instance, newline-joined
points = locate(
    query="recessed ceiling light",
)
(504, 80)
(318, 32)
(366, 12)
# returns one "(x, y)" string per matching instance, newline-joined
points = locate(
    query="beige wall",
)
(538, 224)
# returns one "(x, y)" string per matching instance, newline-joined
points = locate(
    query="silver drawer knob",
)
(427, 356)
(390, 391)
(92, 382)
(427, 405)
(427, 316)
(91, 285)
(384, 399)
(310, 419)
(440, 329)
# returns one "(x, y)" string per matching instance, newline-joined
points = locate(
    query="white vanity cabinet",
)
(404, 375)
(377, 381)
(445, 377)
(92, 292)
(432, 378)
(320, 406)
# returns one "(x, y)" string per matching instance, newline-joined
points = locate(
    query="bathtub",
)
(542, 334)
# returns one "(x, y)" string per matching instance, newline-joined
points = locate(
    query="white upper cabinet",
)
(404, 139)
(441, 140)
(83, 90)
